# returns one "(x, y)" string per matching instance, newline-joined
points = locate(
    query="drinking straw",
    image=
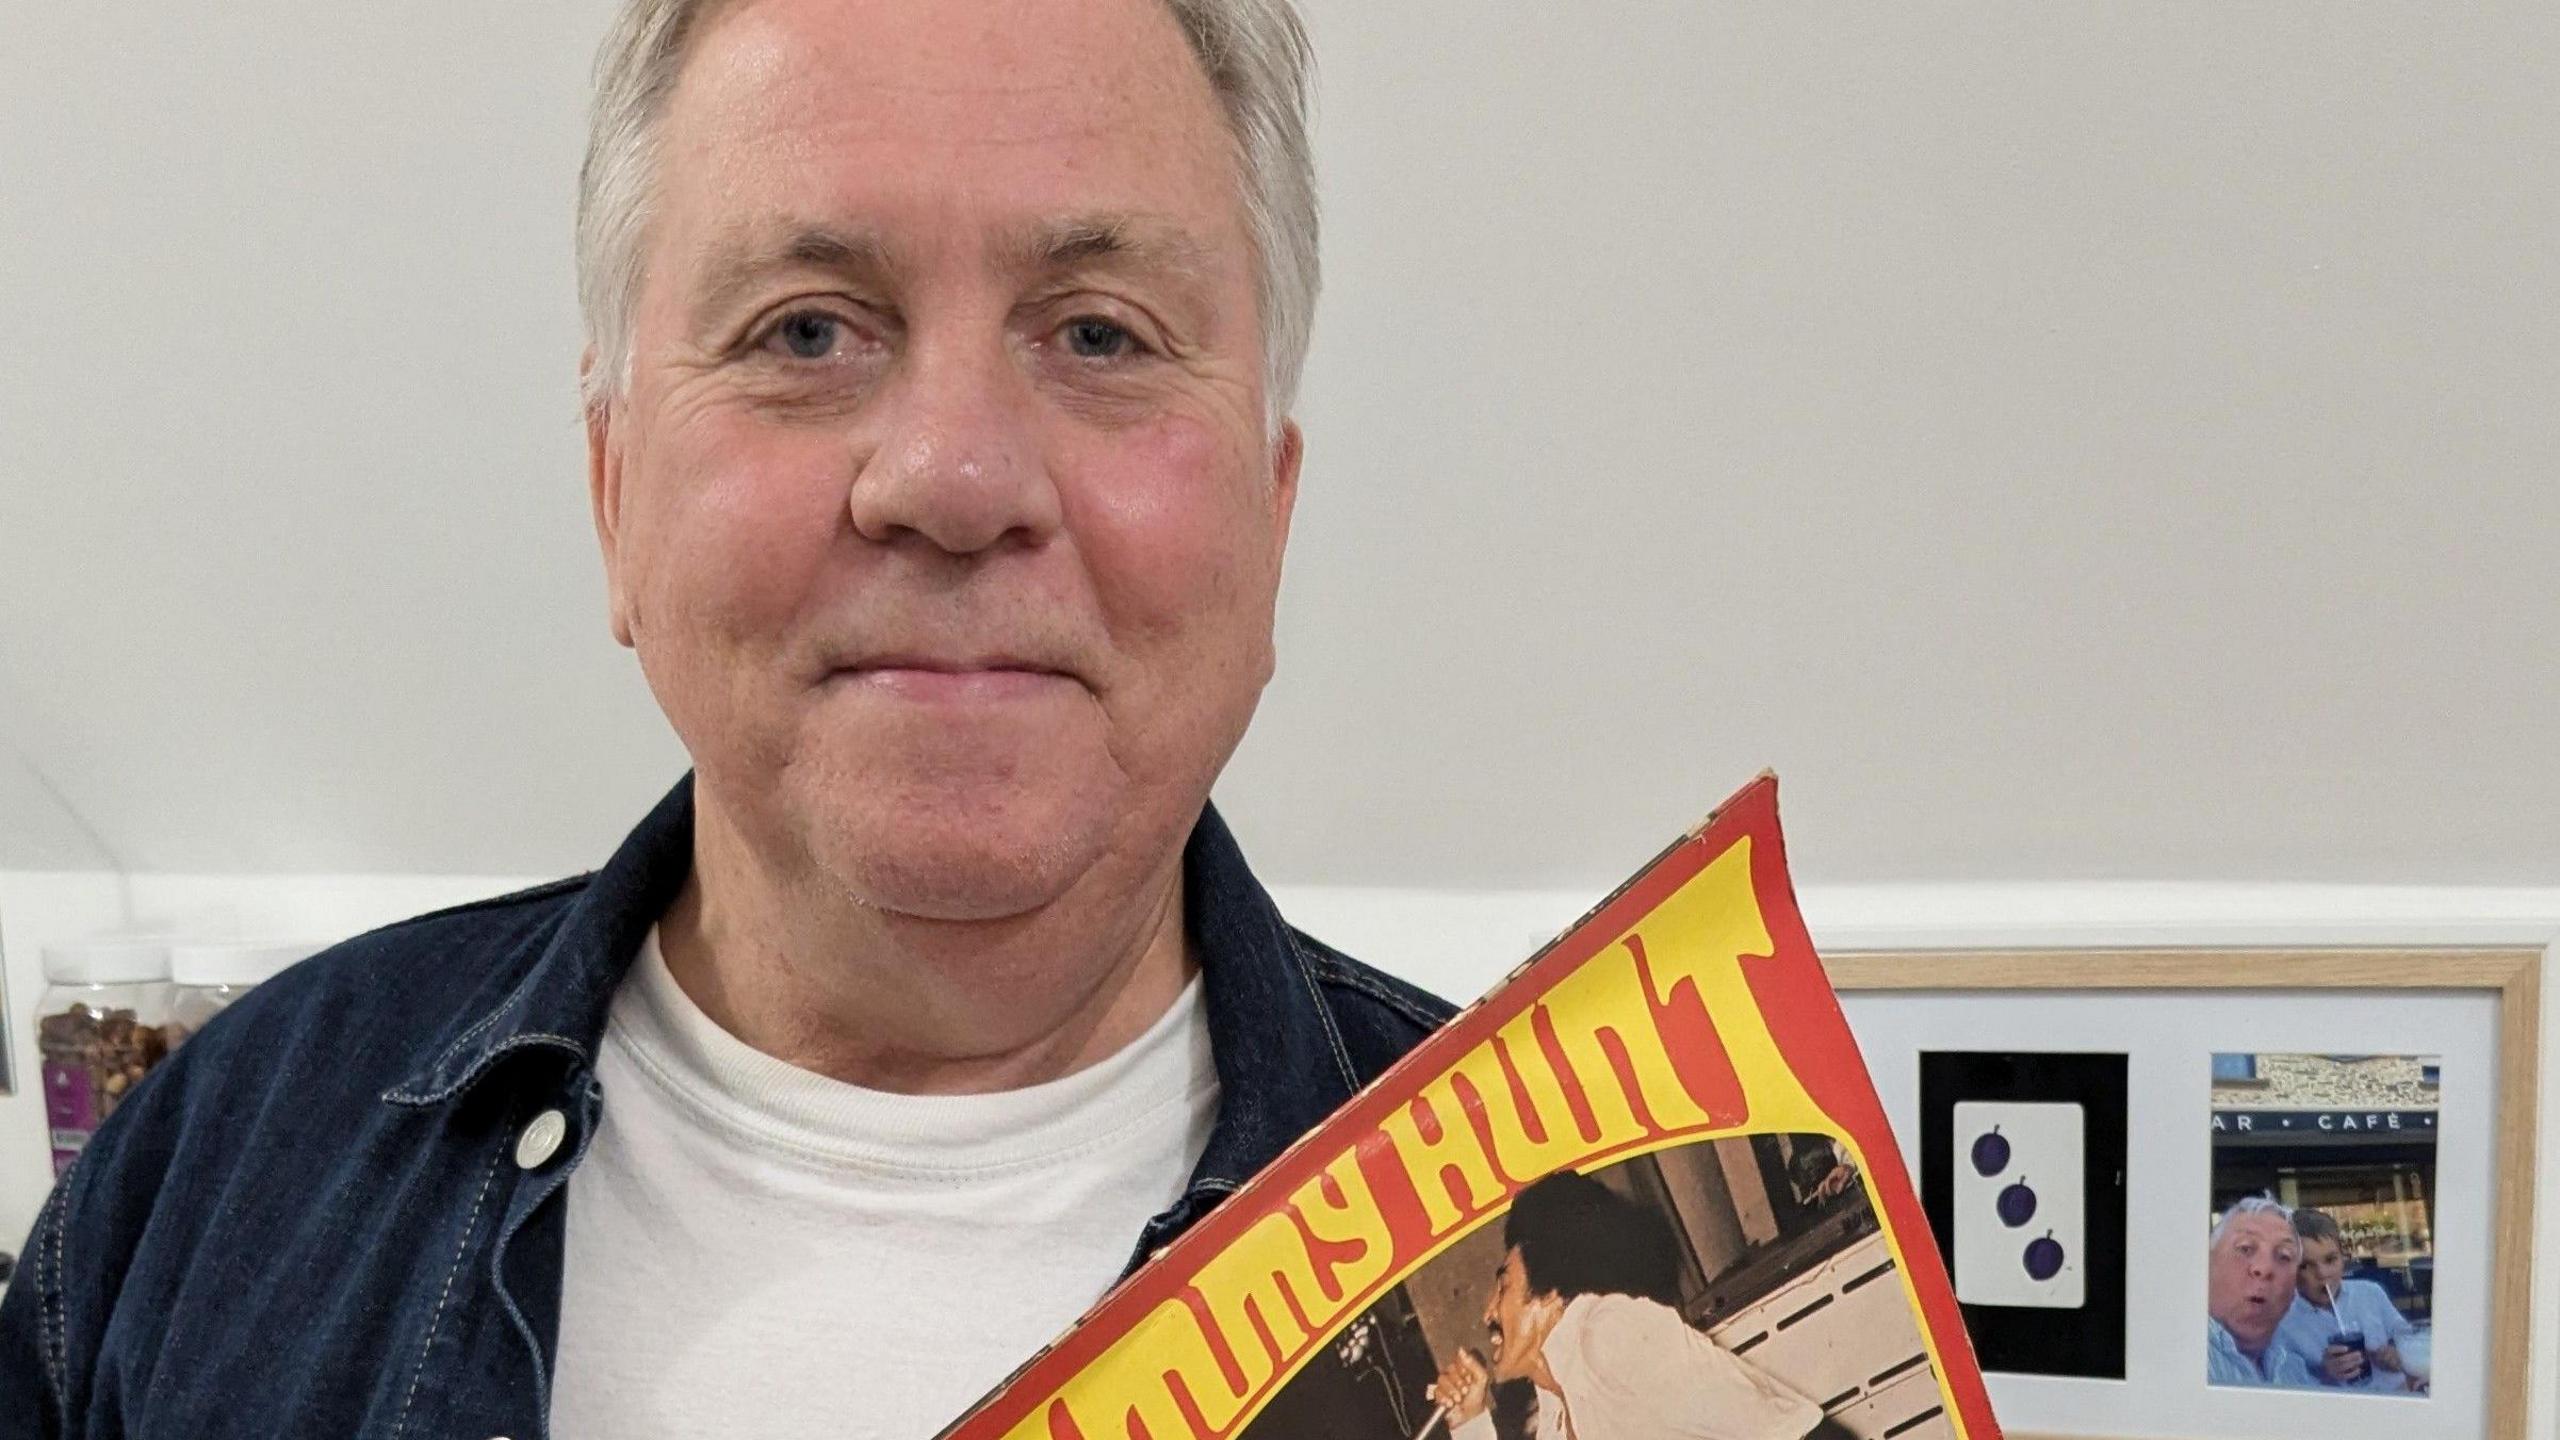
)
(2336, 1316)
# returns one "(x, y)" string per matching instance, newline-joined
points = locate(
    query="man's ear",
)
(604, 493)
(1286, 456)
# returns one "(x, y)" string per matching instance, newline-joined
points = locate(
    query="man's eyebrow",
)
(740, 263)
(1119, 240)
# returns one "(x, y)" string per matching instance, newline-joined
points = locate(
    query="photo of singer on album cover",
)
(1732, 1289)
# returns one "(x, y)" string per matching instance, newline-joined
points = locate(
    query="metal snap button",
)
(541, 1139)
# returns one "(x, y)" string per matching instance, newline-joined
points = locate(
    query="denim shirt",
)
(315, 1219)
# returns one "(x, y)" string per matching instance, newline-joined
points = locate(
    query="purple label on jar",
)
(70, 1107)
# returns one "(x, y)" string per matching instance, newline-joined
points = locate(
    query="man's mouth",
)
(936, 678)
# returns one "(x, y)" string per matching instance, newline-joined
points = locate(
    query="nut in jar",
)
(102, 1025)
(112, 1050)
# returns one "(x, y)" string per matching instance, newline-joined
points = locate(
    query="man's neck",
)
(778, 955)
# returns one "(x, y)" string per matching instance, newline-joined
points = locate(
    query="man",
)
(1584, 1308)
(2249, 1279)
(2326, 1305)
(941, 359)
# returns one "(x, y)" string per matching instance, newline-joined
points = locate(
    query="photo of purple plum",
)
(1991, 1154)
(2044, 1257)
(2017, 1205)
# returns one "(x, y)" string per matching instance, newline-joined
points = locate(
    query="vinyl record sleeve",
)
(1687, 1022)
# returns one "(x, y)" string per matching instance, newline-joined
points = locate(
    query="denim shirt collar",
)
(1282, 1067)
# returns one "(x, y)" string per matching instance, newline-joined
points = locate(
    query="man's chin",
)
(959, 838)
(959, 889)
(941, 866)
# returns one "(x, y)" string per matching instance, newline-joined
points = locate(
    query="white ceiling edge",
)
(44, 832)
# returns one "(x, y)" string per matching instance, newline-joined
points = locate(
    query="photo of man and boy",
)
(2320, 1263)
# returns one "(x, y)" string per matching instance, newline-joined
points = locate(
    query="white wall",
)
(2106, 440)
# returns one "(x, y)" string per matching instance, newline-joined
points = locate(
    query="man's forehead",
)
(963, 72)
(2260, 1226)
(846, 154)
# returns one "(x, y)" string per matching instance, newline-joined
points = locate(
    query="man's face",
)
(2250, 1279)
(2322, 1271)
(941, 511)
(1516, 1321)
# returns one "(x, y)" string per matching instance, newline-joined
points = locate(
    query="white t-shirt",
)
(755, 1249)
(1632, 1369)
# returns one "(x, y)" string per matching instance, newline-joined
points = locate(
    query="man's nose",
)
(959, 464)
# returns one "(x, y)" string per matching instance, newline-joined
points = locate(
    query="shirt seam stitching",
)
(1352, 980)
(406, 1092)
(403, 1095)
(461, 1251)
(53, 1301)
(1324, 1012)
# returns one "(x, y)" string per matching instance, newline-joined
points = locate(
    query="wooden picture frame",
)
(2512, 975)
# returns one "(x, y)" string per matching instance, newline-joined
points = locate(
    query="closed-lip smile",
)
(976, 679)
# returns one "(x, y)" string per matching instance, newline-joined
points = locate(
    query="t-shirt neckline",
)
(819, 1119)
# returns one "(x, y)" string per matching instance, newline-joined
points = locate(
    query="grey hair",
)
(2249, 1205)
(1256, 56)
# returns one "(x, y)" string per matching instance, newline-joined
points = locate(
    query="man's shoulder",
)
(1380, 1016)
(384, 1002)
(1608, 1319)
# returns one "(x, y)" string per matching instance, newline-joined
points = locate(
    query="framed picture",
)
(2021, 1165)
(2216, 1194)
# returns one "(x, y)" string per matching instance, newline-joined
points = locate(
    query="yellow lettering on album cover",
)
(1451, 1171)
(1258, 1288)
(1592, 1038)
(1700, 934)
(1169, 1370)
(1358, 1243)
(1140, 1387)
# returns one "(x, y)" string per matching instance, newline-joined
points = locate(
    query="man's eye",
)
(809, 334)
(1092, 339)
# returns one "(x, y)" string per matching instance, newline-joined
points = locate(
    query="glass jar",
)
(101, 1025)
(207, 976)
